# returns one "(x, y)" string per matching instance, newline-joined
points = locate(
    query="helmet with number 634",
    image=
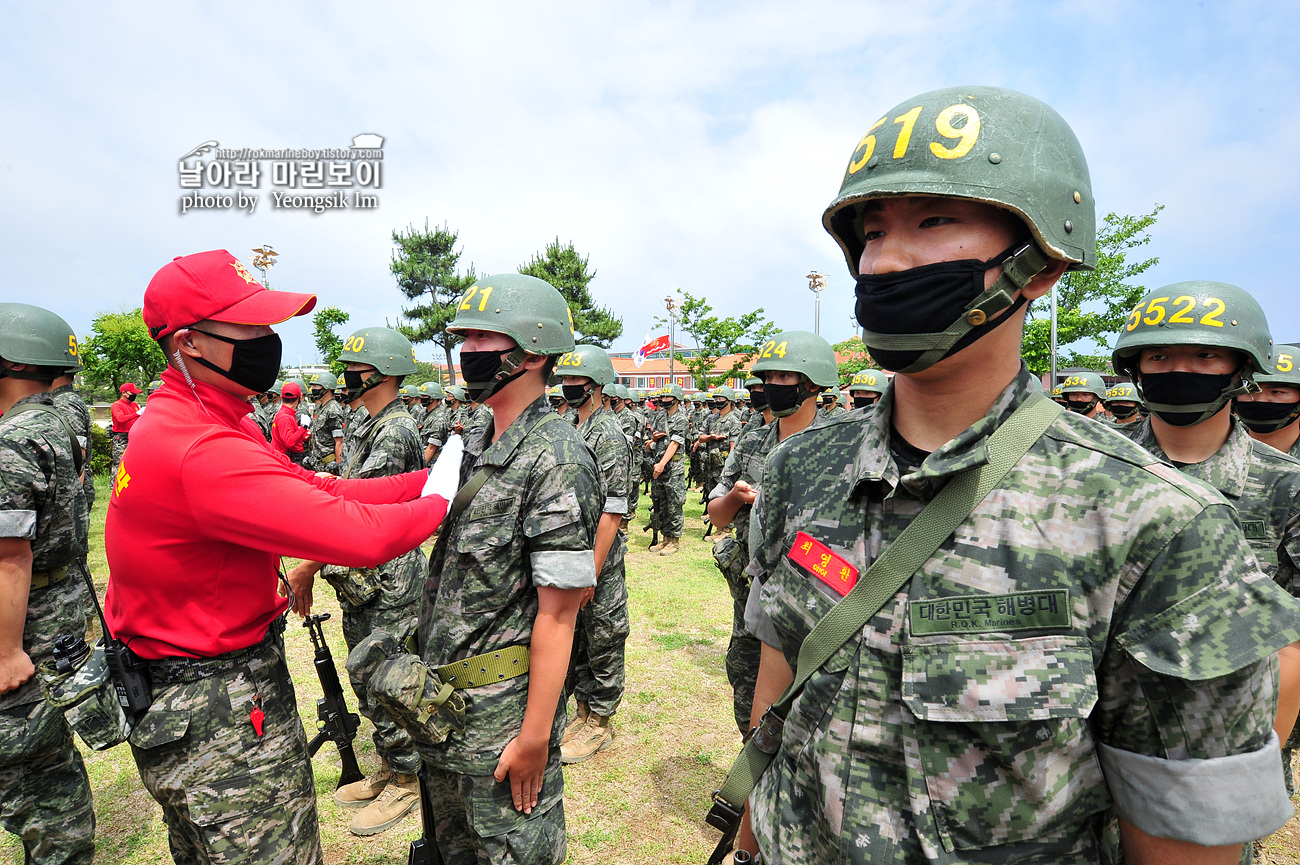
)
(798, 351)
(589, 361)
(381, 347)
(527, 309)
(1196, 313)
(33, 335)
(985, 144)
(673, 391)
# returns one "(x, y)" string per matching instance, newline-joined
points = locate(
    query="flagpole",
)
(672, 337)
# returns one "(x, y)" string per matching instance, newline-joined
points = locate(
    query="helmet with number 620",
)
(589, 361)
(798, 351)
(33, 335)
(381, 347)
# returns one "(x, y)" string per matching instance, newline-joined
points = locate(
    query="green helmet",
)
(30, 334)
(457, 392)
(799, 351)
(831, 395)
(431, 390)
(742, 396)
(589, 361)
(1122, 392)
(1085, 381)
(381, 347)
(408, 391)
(1268, 417)
(1286, 366)
(275, 388)
(986, 144)
(724, 391)
(323, 379)
(620, 391)
(868, 381)
(752, 380)
(154, 385)
(528, 310)
(672, 390)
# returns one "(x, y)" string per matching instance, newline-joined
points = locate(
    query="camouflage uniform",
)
(77, 414)
(533, 523)
(416, 411)
(44, 791)
(387, 444)
(434, 427)
(656, 421)
(353, 420)
(602, 627)
(264, 415)
(732, 555)
(729, 425)
(633, 430)
(326, 429)
(478, 418)
(668, 491)
(972, 718)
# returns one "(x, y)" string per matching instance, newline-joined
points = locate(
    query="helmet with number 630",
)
(798, 351)
(985, 144)
(868, 381)
(1196, 313)
(33, 335)
(527, 309)
(381, 347)
(589, 361)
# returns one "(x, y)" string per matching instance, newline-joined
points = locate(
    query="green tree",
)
(1093, 305)
(424, 266)
(329, 343)
(857, 358)
(119, 349)
(717, 337)
(563, 268)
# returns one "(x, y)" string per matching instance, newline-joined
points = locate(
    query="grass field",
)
(643, 800)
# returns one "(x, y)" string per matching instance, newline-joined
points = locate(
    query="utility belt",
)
(175, 670)
(678, 457)
(486, 668)
(43, 579)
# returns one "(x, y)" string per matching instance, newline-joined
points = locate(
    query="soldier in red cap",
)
(287, 434)
(194, 546)
(125, 412)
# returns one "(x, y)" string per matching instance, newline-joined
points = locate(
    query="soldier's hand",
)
(300, 580)
(525, 764)
(586, 597)
(15, 670)
(747, 493)
(659, 469)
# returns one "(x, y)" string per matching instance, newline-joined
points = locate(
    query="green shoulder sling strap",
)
(369, 435)
(72, 437)
(887, 575)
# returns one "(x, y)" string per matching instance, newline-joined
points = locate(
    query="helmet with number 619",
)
(1196, 313)
(381, 347)
(798, 351)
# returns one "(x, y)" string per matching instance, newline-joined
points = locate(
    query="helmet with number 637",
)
(1196, 313)
(588, 361)
(985, 144)
(798, 351)
(527, 309)
(381, 347)
(33, 335)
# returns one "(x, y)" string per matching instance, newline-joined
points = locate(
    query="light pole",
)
(1052, 386)
(672, 335)
(264, 260)
(817, 284)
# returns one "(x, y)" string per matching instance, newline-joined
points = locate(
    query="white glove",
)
(304, 420)
(444, 474)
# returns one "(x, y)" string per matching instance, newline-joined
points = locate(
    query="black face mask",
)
(757, 400)
(132, 396)
(1081, 407)
(719, 403)
(1187, 398)
(1267, 417)
(899, 310)
(253, 363)
(357, 383)
(481, 368)
(575, 394)
(864, 401)
(785, 399)
(1123, 412)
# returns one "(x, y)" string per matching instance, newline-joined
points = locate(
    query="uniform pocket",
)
(481, 542)
(1005, 753)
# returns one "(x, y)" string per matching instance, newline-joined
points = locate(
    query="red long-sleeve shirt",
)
(203, 509)
(125, 414)
(287, 435)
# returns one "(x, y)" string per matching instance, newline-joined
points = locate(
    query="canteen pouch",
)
(88, 699)
(407, 689)
(356, 586)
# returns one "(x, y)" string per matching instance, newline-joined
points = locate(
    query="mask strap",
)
(1018, 268)
(1245, 384)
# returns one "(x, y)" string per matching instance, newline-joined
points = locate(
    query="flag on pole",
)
(651, 346)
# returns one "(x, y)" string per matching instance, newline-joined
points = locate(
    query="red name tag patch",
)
(834, 571)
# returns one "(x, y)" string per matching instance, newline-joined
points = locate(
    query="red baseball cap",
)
(214, 285)
(291, 390)
(129, 387)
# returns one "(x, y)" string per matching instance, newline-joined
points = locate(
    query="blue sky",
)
(679, 145)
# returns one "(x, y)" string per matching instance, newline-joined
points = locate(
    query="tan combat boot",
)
(359, 793)
(591, 738)
(399, 797)
(654, 548)
(576, 722)
(671, 546)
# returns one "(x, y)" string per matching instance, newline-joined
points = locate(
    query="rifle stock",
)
(336, 723)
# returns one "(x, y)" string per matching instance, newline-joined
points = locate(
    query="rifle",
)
(424, 850)
(337, 724)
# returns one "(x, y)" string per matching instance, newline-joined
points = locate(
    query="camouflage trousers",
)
(229, 795)
(119, 448)
(391, 742)
(633, 497)
(600, 636)
(476, 820)
(44, 791)
(742, 656)
(668, 493)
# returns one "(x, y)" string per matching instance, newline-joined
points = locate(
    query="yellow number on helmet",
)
(72, 345)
